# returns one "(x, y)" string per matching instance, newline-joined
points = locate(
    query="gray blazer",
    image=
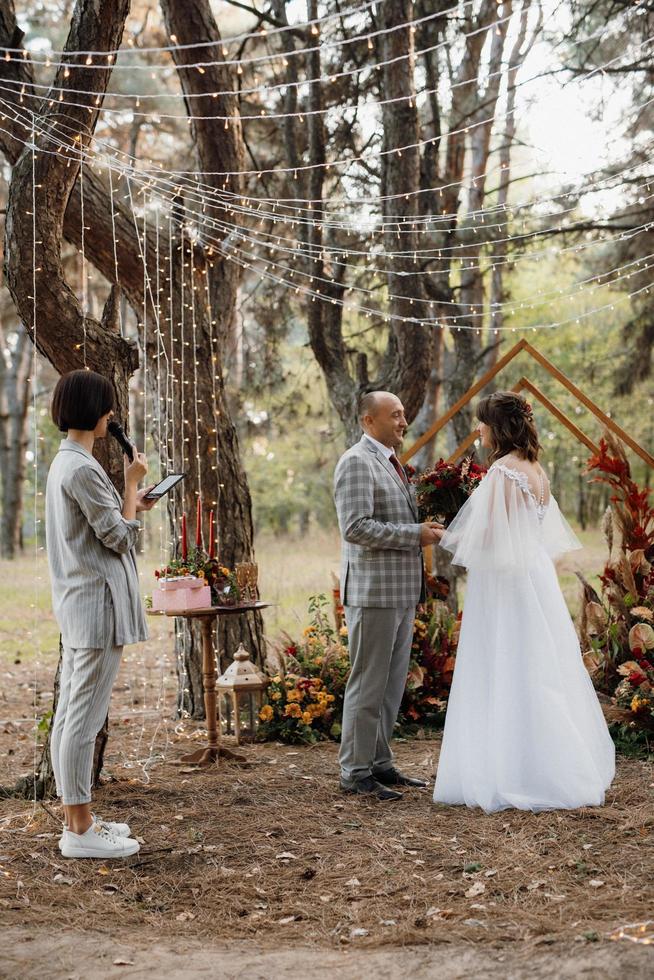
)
(90, 549)
(381, 558)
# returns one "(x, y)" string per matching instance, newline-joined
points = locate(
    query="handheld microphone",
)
(118, 433)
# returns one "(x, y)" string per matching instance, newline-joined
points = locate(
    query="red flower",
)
(636, 678)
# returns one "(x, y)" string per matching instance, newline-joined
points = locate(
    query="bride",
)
(524, 728)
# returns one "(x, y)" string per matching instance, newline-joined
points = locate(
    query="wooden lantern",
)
(240, 691)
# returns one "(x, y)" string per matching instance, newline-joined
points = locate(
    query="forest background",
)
(511, 104)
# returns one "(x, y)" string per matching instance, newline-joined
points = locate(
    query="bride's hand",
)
(430, 533)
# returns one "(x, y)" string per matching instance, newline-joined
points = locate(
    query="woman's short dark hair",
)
(80, 400)
(512, 426)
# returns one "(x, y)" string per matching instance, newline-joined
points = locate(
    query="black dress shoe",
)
(370, 787)
(391, 777)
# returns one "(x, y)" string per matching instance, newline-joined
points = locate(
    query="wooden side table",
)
(214, 750)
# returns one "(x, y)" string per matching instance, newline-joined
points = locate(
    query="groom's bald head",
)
(381, 415)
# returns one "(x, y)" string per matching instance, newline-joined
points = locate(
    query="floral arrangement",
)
(304, 700)
(616, 625)
(203, 564)
(305, 695)
(433, 653)
(635, 692)
(220, 579)
(631, 505)
(443, 490)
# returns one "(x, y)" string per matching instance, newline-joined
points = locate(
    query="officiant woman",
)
(91, 536)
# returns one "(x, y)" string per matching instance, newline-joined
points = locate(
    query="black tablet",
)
(164, 487)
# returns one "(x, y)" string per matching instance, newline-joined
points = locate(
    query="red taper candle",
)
(184, 544)
(198, 524)
(212, 536)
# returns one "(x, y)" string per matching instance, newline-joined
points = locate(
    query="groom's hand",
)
(430, 533)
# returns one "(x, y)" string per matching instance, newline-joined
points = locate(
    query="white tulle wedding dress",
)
(524, 727)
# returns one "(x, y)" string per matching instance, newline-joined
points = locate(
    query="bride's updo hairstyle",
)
(512, 426)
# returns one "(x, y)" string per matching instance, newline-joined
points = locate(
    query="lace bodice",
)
(521, 478)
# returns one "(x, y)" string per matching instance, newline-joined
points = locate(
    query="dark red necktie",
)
(398, 468)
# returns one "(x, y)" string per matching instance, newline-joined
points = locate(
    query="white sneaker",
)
(96, 842)
(117, 829)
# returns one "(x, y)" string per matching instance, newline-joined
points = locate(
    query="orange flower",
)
(293, 710)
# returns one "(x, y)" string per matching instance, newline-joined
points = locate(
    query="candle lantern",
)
(240, 691)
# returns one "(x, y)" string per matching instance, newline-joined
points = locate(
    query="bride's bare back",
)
(539, 484)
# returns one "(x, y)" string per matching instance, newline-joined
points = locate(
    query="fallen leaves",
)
(478, 888)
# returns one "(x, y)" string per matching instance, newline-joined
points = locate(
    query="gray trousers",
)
(380, 647)
(87, 677)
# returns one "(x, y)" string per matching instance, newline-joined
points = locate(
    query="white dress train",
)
(524, 728)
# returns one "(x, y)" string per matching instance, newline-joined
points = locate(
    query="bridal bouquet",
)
(442, 491)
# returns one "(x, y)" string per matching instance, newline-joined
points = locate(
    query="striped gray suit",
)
(90, 548)
(381, 583)
(95, 597)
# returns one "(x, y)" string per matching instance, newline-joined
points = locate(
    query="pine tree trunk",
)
(63, 332)
(15, 391)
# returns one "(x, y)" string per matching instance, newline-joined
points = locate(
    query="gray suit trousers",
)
(380, 648)
(87, 677)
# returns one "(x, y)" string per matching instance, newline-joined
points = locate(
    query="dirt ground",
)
(77, 954)
(266, 869)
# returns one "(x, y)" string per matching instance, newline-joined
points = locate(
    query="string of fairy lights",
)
(210, 190)
(297, 215)
(179, 211)
(460, 319)
(109, 59)
(434, 251)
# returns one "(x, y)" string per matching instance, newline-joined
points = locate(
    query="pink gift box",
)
(185, 592)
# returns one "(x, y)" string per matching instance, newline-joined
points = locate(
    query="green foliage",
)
(43, 726)
(291, 445)
(630, 741)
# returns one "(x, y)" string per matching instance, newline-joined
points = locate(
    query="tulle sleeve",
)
(498, 527)
(558, 536)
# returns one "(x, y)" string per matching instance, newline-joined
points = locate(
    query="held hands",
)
(430, 533)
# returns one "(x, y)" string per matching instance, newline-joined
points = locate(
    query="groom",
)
(381, 583)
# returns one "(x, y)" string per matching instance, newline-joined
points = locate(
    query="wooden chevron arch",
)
(524, 384)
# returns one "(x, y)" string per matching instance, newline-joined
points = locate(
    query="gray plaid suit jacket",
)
(90, 549)
(381, 558)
